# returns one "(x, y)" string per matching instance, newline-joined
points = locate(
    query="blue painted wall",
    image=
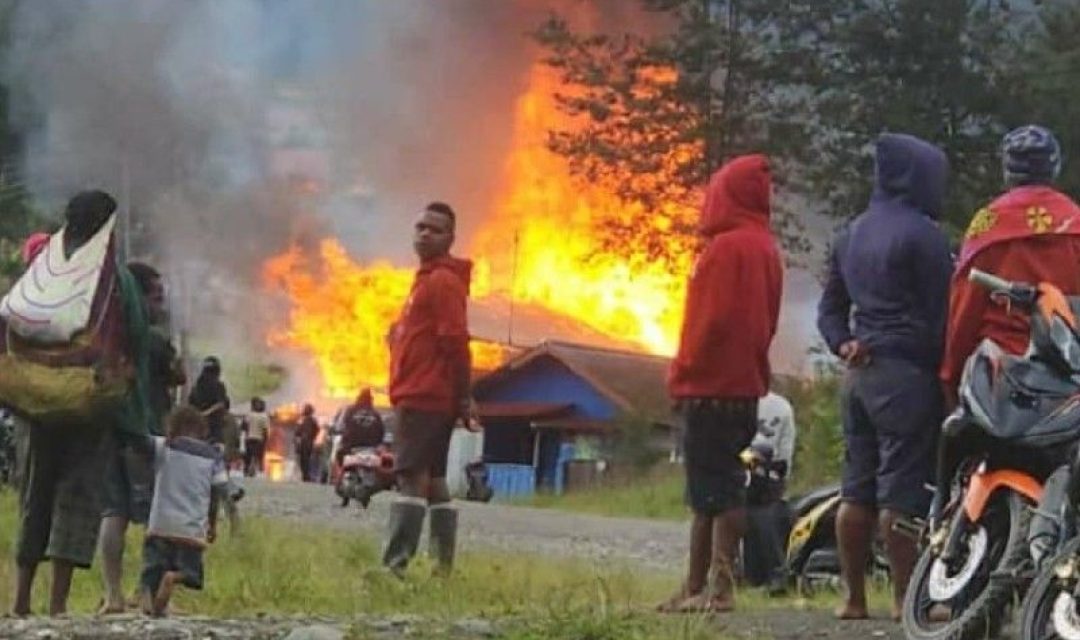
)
(547, 380)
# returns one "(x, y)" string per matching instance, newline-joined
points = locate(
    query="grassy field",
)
(659, 495)
(277, 568)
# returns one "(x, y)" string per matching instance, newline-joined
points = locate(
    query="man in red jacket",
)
(1029, 234)
(722, 369)
(430, 367)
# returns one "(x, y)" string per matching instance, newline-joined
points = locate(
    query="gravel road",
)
(649, 544)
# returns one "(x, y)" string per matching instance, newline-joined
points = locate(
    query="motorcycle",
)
(813, 557)
(1013, 425)
(365, 471)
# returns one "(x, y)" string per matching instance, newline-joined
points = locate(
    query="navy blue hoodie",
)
(889, 269)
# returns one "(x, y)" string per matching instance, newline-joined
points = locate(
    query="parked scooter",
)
(365, 471)
(813, 558)
(1013, 427)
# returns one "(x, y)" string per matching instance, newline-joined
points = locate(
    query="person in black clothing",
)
(211, 398)
(363, 426)
(306, 432)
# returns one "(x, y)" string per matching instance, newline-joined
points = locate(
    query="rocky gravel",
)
(263, 628)
(647, 544)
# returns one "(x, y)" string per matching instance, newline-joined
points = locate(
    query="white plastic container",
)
(465, 447)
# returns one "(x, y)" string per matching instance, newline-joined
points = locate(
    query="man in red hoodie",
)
(722, 369)
(430, 367)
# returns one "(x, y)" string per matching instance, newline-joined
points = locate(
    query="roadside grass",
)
(277, 567)
(659, 495)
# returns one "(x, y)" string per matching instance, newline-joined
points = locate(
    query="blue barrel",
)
(510, 481)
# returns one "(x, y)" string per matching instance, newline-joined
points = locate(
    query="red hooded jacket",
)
(431, 334)
(1030, 234)
(733, 298)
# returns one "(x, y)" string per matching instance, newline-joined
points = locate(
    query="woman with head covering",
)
(211, 398)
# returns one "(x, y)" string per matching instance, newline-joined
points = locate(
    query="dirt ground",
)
(645, 544)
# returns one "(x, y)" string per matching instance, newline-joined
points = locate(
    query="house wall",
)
(542, 380)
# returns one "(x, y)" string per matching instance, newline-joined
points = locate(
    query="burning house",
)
(560, 406)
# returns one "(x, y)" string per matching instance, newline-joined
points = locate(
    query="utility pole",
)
(513, 285)
(125, 196)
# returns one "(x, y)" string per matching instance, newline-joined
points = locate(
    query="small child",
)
(190, 474)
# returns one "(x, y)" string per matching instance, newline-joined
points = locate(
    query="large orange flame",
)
(560, 262)
(541, 245)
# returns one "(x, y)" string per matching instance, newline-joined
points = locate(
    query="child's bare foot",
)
(164, 593)
(852, 612)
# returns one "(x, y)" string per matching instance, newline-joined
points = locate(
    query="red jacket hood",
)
(460, 267)
(737, 196)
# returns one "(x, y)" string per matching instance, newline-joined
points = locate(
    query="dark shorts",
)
(161, 555)
(129, 485)
(61, 498)
(714, 434)
(892, 413)
(422, 441)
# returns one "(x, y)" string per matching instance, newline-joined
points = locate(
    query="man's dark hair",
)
(144, 274)
(443, 208)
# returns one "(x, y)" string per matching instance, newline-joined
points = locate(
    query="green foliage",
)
(636, 448)
(812, 83)
(819, 444)
(938, 70)
(656, 494)
(1046, 83)
(247, 380)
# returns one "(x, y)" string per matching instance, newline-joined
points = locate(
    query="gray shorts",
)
(892, 413)
(129, 484)
(422, 441)
(61, 498)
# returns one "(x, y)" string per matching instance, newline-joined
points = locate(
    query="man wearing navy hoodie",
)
(722, 369)
(883, 312)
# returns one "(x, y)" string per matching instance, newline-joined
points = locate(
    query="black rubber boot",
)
(443, 538)
(403, 533)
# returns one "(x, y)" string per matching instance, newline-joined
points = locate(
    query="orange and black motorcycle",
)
(1017, 422)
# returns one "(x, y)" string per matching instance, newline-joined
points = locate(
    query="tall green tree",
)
(1046, 86)
(658, 114)
(938, 69)
(810, 82)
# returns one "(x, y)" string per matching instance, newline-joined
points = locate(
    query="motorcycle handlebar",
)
(990, 281)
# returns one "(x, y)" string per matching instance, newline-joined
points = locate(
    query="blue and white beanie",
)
(1030, 154)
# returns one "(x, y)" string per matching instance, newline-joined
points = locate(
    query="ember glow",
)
(539, 244)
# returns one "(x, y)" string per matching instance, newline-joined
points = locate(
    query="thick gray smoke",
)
(229, 129)
(212, 119)
(209, 119)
